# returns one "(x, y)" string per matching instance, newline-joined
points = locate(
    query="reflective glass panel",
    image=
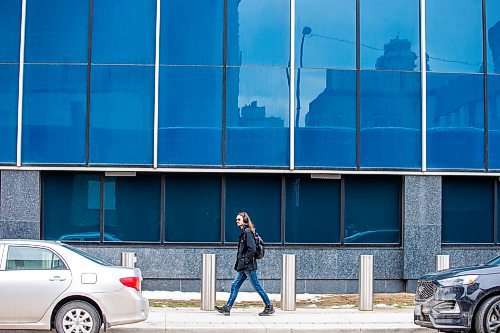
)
(123, 31)
(467, 210)
(121, 117)
(494, 122)
(9, 75)
(389, 34)
(257, 117)
(10, 26)
(258, 32)
(57, 31)
(390, 119)
(325, 33)
(455, 121)
(260, 197)
(325, 127)
(132, 209)
(191, 32)
(312, 210)
(379, 219)
(71, 207)
(493, 35)
(454, 36)
(192, 209)
(190, 116)
(54, 114)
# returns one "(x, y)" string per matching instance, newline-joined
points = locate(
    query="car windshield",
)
(494, 262)
(86, 255)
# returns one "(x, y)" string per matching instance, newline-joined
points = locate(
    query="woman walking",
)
(246, 266)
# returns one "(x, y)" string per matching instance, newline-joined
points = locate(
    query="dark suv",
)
(460, 299)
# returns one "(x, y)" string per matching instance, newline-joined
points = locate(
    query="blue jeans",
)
(238, 281)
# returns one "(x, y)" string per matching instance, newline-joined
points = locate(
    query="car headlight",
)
(459, 280)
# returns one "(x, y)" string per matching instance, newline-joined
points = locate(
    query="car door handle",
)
(57, 278)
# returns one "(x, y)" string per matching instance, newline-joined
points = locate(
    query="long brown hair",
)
(245, 215)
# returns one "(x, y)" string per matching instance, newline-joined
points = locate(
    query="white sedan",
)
(50, 285)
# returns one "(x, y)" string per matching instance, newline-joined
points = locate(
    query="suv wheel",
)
(77, 316)
(488, 316)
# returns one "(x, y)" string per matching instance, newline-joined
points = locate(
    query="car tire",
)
(77, 314)
(488, 311)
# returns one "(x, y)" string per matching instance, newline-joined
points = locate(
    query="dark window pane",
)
(372, 210)
(326, 131)
(8, 112)
(54, 114)
(191, 32)
(493, 35)
(390, 120)
(71, 207)
(257, 117)
(258, 32)
(121, 117)
(467, 210)
(190, 116)
(260, 197)
(10, 26)
(123, 31)
(312, 211)
(390, 34)
(454, 35)
(57, 31)
(455, 121)
(327, 30)
(132, 209)
(192, 209)
(494, 122)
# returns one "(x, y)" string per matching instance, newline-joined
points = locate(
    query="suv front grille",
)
(425, 290)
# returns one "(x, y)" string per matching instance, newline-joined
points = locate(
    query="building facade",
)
(343, 127)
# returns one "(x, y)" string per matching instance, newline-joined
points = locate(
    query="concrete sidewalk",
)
(302, 320)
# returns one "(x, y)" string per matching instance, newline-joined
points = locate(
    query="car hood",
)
(460, 271)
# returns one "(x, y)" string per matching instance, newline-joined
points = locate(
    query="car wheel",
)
(488, 316)
(77, 317)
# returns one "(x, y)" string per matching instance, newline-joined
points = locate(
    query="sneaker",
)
(225, 310)
(268, 310)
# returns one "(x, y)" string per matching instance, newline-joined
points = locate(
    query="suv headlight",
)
(459, 280)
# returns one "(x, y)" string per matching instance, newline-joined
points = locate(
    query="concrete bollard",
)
(208, 282)
(442, 262)
(129, 259)
(366, 283)
(288, 283)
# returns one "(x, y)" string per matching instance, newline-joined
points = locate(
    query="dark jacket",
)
(245, 260)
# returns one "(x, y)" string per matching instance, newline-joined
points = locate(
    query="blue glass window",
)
(494, 122)
(257, 117)
(192, 208)
(190, 116)
(123, 31)
(390, 119)
(467, 210)
(10, 26)
(191, 32)
(132, 209)
(455, 121)
(325, 130)
(260, 197)
(454, 36)
(389, 34)
(57, 31)
(493, 35)
(325, 33)
(54, 114)
(379, 219)
(71, 207)
(121, 117)
(258, 32)
(312, 210)
(9, 75)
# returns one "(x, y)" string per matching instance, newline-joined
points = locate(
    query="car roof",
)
(28, 242)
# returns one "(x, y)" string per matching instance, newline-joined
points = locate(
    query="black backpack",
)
(260, 247)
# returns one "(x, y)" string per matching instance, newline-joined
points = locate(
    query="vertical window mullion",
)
(20, 84)
(358, 97)
(291, 92)
(495, 212)
(157, 80)
(224, 90)
(101, 217)
(223, 210)
(89, 73)
(423, 84)
(162, 210)
(485, 91)
(283, 209)
(342, 210)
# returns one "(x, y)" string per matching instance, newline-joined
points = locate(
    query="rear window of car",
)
(86, 255)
